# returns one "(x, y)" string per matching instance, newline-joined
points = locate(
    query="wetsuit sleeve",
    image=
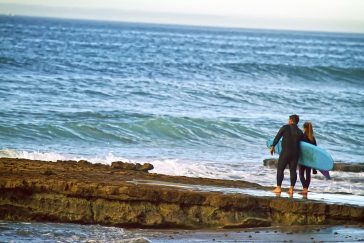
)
(278, 136)
(302, 137)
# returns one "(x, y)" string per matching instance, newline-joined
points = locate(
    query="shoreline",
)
(338, 165)
(125, 195)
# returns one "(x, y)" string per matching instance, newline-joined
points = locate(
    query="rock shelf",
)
(128, 196)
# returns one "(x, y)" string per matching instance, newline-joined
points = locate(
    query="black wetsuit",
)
(292, 135)
(302, 169)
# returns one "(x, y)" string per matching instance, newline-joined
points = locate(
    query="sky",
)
(313, 15)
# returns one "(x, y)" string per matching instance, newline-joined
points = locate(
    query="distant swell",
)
(317, 73)
(135, 129)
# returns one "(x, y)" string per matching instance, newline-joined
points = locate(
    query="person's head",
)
(293, 119)
(308, 129)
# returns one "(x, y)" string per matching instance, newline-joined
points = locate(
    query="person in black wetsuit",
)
(308, 137)
(292, 135)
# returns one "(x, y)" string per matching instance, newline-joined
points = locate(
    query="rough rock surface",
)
(81, 192)
(129, 166)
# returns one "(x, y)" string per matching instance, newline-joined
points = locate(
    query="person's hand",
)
(272, 150)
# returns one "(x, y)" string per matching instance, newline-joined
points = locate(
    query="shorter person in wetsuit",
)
(292, 135)
(308, 137)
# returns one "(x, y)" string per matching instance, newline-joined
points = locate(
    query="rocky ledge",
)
(81, 192)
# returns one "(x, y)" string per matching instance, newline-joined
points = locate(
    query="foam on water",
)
(58, 232)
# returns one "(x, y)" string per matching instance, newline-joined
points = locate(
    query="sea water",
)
(193, 101)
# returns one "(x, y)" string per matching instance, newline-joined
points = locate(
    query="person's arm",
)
(314, 171)
(276, 139)
(278, 136)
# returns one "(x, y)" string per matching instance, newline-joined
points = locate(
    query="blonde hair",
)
(307, 126)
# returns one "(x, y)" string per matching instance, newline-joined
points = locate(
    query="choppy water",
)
(51, 232)
(193, 101)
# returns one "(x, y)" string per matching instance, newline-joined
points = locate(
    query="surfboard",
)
(310, 155)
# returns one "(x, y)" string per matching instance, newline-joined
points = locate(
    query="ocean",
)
(193, 101)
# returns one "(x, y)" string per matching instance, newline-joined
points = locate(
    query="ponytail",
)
(309, 131)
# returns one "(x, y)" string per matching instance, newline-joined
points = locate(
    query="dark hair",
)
(294, 118)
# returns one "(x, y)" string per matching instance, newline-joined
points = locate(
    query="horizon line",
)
(11, 15)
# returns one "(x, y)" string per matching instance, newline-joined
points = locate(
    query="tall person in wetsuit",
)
(292, 135)
(308, 137)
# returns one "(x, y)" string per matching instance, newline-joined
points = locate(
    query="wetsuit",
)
(292, 135)
(302, 169)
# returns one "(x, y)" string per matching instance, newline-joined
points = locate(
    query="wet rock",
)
(349, 167)
(24, 233)
(66, 161)
(135, 240)
(146, 167)
(130, 166)
(84, 163)
(271, 163)
(48, 173)
(99, 194)
(338, 166)
(251, 222)
(122, 165)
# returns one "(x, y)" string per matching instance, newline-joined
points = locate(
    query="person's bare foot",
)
(304, 191)
(278, 189)
(290, 191)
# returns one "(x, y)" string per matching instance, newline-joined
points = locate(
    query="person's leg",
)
(308, 177)
(305, 171)
(293, 173)
(282, 163)
(301, 170)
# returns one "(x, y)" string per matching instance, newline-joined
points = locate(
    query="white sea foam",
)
(53, 156)
(343, 182)
(34, 155)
